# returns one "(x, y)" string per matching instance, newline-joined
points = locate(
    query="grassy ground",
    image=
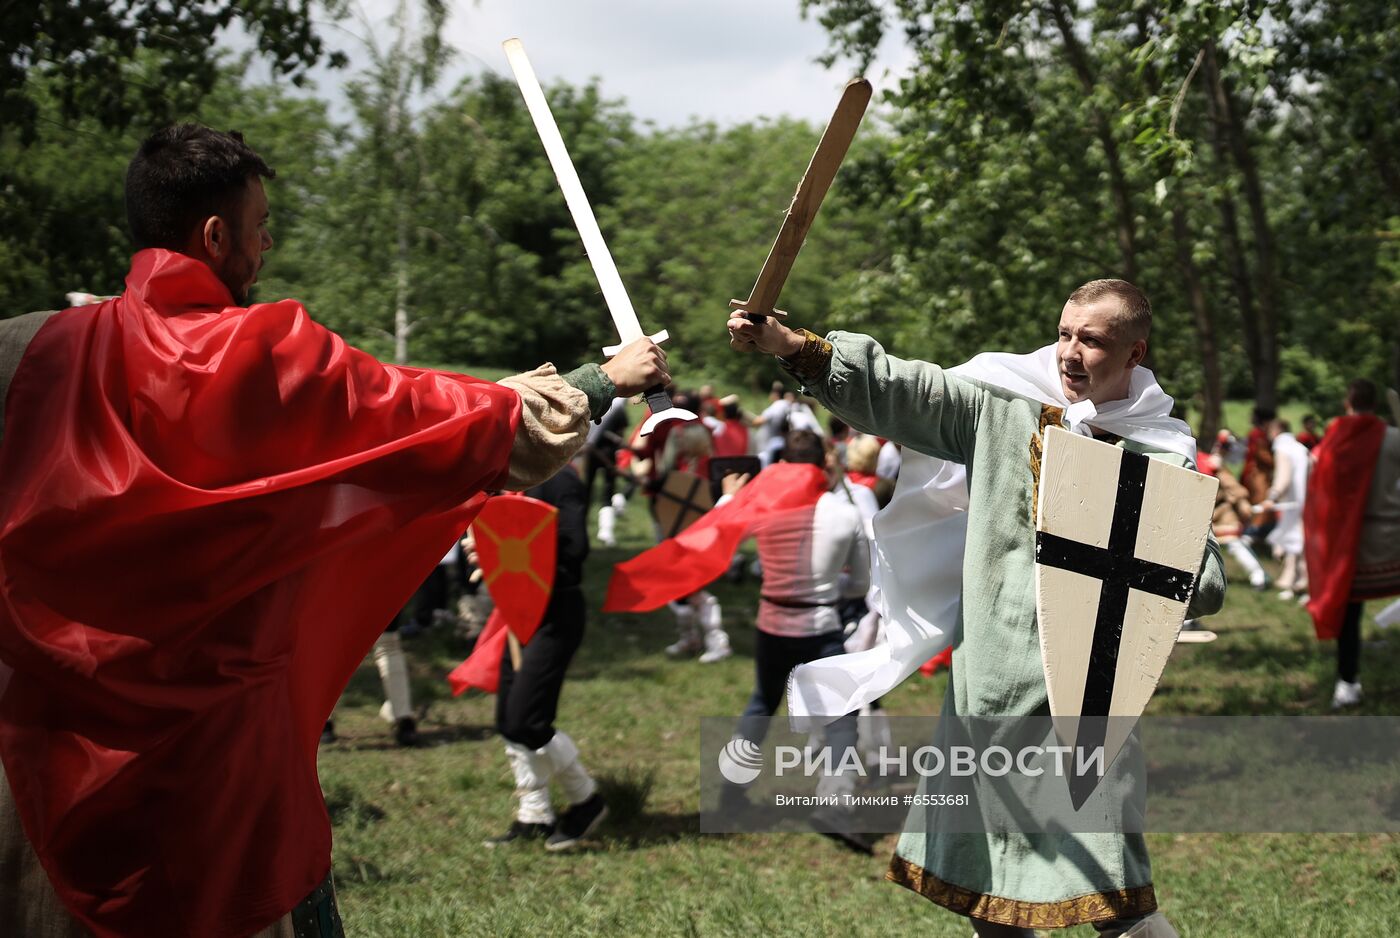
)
(409, 823)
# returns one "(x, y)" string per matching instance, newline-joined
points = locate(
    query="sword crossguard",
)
(656, 397)
(752, 316)
(658, 338)
(662, 410)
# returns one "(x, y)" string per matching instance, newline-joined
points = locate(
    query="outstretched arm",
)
(555, 409)
(913, 403)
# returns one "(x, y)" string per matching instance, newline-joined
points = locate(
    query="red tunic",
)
(207, 515)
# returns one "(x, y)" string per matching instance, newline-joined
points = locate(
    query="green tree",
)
(86, 54)
(1234, 157)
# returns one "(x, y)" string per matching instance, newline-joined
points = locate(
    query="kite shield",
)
(682, 500)
(516, 542)
(1119, 541)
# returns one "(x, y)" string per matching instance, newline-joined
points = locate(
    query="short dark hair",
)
(183, 174)
(1135, 311)
(1361, 395)
(804, 446)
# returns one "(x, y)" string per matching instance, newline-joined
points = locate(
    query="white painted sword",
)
(629, 329)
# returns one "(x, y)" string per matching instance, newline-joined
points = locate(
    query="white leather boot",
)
(607, 526)
(533, 770)
(688, 643)
(711, 626)
(393, 674)
(569, 772)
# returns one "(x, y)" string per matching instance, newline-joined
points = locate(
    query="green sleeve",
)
(593, 381)
(914, 403)
(1210, 583)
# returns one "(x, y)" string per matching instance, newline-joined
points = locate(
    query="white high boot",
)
(569, 772)
(993, 930)
(607, 526)
(619, 502)
(1154, 926)
(689, 641)
(1245, 558)
(532, 770)
(393, 674)
(711, 625)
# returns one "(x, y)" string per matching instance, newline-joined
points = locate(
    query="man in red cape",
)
(1352, 522)
(207, 513)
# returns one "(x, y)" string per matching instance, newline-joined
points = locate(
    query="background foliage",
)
(1236, 159)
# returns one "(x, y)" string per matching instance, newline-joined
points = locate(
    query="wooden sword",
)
(836, 140)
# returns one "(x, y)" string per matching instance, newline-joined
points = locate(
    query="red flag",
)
(1345, 460)
(482, 669)
(208, 515)
(698, 555)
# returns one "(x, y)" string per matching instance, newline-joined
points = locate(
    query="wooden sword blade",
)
(821, 171)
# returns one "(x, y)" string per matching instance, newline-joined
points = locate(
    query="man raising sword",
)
(988, 417)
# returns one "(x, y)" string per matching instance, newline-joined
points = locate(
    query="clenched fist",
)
(638, 366)
(769, 336)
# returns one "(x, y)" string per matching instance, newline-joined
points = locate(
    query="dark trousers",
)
(774, 657)
(600, 460)
(1349, 644)
(527, 700)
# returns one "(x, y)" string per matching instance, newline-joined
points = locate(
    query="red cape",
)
(1345, 460)
(208, 515)
(733, 440)
(698, 555)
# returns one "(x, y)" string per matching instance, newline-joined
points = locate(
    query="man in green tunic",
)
(1007, 883)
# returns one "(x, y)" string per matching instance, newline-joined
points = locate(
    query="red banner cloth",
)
(482, 668)
(1344, 462)
(208, 515)
(698, 555)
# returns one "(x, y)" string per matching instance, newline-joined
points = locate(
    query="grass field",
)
(409, 823)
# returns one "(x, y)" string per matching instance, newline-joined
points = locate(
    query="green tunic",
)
(1025, 880)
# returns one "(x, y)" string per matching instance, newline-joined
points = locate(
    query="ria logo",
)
(740, 761)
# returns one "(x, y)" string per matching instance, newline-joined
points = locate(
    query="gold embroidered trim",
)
(1080, 910)
(812, 361)
(1050, 416)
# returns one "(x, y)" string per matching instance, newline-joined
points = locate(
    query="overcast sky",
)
(671, 60)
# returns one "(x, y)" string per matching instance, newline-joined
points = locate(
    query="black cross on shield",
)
(1112, 597)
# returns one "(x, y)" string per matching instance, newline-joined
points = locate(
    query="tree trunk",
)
(1228, 125)
(1212, 387)
(1388, 171)
(1125, 227)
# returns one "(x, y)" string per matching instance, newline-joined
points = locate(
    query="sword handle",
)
(657, 399)
(662, 409)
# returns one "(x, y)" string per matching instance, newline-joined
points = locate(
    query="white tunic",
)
(1289, 491)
